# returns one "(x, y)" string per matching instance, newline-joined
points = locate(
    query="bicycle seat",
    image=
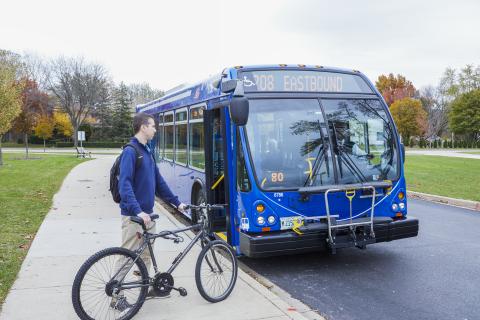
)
(140, 220)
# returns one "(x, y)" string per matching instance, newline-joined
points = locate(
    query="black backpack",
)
(115, 171)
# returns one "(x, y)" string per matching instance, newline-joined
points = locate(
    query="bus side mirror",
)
(403, 151)
(239, 109)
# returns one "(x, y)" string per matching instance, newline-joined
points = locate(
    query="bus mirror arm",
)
(403, 151)
(234, 85)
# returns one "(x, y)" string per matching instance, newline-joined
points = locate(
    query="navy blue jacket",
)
(138, 187)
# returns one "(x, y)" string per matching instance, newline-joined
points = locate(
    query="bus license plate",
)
(287, 223)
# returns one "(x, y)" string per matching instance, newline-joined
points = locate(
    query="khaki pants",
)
(131, 242)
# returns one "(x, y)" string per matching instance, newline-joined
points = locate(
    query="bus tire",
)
(198, 197)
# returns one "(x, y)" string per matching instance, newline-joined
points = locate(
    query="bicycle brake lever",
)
(178, 239)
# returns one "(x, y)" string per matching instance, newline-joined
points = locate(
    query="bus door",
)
(215, 176)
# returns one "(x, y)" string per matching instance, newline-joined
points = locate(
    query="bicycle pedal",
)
(183, 291)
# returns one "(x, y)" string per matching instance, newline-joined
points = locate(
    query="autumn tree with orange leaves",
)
(35, 103)
(394, 88)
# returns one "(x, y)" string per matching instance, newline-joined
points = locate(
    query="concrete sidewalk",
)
(84, 220)
(454, 153)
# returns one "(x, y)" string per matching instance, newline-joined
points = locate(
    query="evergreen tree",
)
(103, 131)
(122, 113)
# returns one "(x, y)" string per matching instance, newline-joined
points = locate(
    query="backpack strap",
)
(138, 155)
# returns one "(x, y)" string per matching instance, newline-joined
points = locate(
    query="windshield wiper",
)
(389, 126)
(322, 151)
(344, 157)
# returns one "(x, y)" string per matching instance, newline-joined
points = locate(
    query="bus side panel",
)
(184, 178)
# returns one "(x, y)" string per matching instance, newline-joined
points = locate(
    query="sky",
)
(167, 43)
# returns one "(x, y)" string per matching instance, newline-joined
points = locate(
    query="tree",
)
(142, 93)
(464, 115)
(436, 107)
(79, 87)
(10, 92)
(34, 104)
(35, 69)
(394, 88)
(122, 114)
(453, 83)
(44, 128)
(62, 124)
(409, 117)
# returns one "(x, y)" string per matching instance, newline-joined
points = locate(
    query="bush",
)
(64, 144)
(103, 144)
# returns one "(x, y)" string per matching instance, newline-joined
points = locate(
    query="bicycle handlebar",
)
(140, 220)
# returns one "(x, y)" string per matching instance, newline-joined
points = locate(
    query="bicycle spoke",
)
(92, 291)
(216, 273)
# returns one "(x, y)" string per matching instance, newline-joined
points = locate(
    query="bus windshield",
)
(289, 142)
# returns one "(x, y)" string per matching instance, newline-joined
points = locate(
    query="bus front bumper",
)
(315, 235)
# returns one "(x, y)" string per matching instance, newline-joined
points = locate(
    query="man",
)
(138, 186)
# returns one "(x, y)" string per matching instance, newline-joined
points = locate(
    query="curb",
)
(466, 204)
(291, 307)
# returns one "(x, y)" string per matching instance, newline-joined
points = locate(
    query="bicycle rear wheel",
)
(97, 291)
(216, 271)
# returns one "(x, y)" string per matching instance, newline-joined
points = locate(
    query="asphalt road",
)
(433, 276)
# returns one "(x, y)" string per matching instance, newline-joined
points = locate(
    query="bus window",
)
(243, 182)
(365, 138)
(217, 148)
(197, 139)
(168, 129)
(285, 137)
(159, 149)
(181, 136)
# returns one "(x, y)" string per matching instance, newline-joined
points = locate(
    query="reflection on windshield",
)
(289, 142)
(364, 142)
(285, 139)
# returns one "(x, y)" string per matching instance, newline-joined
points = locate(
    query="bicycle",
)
(110, 280)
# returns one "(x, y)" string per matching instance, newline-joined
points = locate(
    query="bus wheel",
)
(198, 199)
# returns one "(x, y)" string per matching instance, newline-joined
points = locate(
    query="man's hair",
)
(139, 120)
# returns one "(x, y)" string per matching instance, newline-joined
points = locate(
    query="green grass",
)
(444, 176)
(22, 146)
(26, 191)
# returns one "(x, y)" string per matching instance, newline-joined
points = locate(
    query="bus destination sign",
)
(303, 81)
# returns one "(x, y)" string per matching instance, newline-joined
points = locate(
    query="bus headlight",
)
(271, 219)
(395, 207)
(260, 220)
(401, 205)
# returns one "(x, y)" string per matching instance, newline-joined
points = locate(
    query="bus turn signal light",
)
(260, 208)
(401, 195)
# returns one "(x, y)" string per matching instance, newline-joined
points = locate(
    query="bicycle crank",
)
(163, 284)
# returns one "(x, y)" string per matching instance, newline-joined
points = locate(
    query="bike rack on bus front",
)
(351, 224)
(350, 193)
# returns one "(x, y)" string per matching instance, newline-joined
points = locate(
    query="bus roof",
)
(184, 95)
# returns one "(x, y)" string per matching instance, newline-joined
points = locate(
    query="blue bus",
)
(306, 157)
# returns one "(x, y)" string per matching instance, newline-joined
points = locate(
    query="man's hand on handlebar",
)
(182, 207)
(145, 216)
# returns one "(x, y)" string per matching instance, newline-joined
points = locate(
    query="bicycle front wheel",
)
(111, 284)
(216, 271)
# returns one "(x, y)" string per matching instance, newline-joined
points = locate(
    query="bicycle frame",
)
(148, 239)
